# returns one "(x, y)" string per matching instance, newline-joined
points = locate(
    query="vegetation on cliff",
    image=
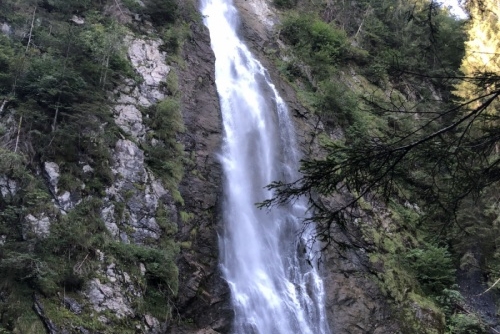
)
(60, 64)
(414, 92)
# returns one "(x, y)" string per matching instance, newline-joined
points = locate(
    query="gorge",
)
(137, 137)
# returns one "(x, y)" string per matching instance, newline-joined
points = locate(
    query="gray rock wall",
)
(203, 294)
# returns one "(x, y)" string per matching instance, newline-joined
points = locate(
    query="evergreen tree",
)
(437, 153)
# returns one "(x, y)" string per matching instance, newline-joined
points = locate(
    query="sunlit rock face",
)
(139, 190)
(149, 62)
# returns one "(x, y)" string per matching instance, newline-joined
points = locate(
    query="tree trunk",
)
(2, 107)
(18, 133)
(105, 75)
(31, 31)
(54, 122)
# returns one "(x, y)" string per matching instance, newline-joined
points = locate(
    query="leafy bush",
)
(161, 12)
(448, 300)
(72, 243)
(336, 103)
(6, 60)
(174, 38)
(66, 6)
(81, 231)
(165, 153)
(133, 5)
(161, 270)
(320, 45)
(433, 266)
(466, 324)
(285, 4)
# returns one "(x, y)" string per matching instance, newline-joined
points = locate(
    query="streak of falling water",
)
(274, 289)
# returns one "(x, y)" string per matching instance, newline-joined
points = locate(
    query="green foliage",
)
(168, 227)
(80, 231)
(172, 86)
(404, 139)
(51, 85)
(22, 265)
(433, 266)
(16, 304)
(475, 240)
(466, 324)
(12, 164)
(320, 45)
(60, 80)
(186, 216)
(285, 4)
(174, 37)
(161, 271)
(72, 243)
(104, 41)
(133, 5)
(162, 12)
(64, 318)
(57, 90)
(337, 104)
(448, 300)
(6, 63)
(165, 154)
(66, 6)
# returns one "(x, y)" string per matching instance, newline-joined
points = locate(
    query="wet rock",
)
(152, 323)
(129, 163)
(258, 16)
(473, 285)
(354, 302)
(207, 331)
(203, 294)
(64, 201)
(87, 169)
(108, 216)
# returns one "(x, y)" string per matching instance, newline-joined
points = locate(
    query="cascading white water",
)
(274, 288)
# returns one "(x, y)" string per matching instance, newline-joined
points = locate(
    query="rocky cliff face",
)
(203, 295)
(202, 302)
(157, 222)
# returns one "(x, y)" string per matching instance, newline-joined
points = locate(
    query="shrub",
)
(320, 45)
(466, 324)
(161, 271)
(433, 267)
(285, 4)
(6, 60)
(336, 103)
(165, 156)
(161, 12)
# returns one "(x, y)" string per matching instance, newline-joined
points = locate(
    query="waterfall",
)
(274, 289)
